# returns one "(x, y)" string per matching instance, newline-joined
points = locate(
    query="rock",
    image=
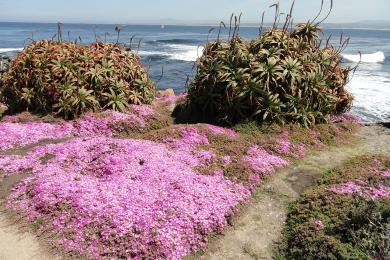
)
(3, 109)
(166, 93)
(4, 64)
(168, 96)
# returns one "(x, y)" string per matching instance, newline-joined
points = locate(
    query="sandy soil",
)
(258, 225)
(18, 244)
(16, 239)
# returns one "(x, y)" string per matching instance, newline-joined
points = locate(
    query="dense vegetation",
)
(116, 185)
(283, 76)
(69, 79)
(346, 217)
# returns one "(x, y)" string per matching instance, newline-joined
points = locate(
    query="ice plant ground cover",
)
(26, 129)
(125, 198)
(347, 216)
(128, 185)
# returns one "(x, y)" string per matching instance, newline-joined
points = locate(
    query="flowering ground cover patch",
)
(26, 129)
(110, 122)
(22, 134)
(124, 186)
(347, 216)
(124, 198)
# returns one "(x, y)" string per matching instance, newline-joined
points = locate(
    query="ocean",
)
(169, 53)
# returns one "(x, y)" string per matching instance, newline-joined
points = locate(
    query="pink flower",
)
(22, 134)
(286, 147)
(206, 156)
(318, 225)
(104, 123)
(347, 117)
(218, 173)
(300, 151)
(380, 192)
(143, 110)
(190, 137)
(171, 99)
(386, 173)
(353, 188)
(142, 198)
(347, 188)
(14, 134)
(254, 178)
(263, 162)
(221, 131)
(226, 160)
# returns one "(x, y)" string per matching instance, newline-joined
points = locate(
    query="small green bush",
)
(326, 225)
(69, 79)
(280, 76)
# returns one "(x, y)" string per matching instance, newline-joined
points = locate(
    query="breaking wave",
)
(366, 58)
(178, 41)
(176, 52)
(3, 50)
(372, 96)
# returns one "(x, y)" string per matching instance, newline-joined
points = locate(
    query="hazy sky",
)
(180, 11)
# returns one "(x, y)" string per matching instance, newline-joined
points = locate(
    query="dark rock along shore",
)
(4, 64)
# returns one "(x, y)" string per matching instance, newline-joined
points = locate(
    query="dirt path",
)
(16, 241)
(255, 231)
(16, 244)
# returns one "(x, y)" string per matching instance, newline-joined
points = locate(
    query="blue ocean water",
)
(173, 50)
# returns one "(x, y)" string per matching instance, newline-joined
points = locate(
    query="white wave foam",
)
(3, 50)
(366, 58)
(371, 96)
(177, 52)
(185, 52)
(153, 53)
(189, 55)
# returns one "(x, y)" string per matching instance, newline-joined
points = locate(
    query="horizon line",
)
(191, 23)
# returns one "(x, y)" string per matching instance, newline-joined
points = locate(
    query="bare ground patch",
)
(17, 242)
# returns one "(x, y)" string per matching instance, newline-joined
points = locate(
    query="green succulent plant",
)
(282, 76)
(68, 79)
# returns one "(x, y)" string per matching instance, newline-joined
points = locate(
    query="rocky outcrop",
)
(4, 64)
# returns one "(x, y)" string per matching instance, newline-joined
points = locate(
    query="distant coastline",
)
(368, 25)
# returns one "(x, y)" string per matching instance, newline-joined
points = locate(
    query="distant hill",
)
(369, 24)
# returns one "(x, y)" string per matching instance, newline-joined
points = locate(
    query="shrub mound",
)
(346, 217)
(280, 76)
(69, 79)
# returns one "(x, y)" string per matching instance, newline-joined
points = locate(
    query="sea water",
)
(169, 53)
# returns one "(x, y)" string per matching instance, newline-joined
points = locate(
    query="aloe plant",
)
(68, 79)
(282, 76)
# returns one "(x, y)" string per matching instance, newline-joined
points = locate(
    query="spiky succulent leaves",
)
(69, 79)
(116, 101)
(278, 77)
(307, 31)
